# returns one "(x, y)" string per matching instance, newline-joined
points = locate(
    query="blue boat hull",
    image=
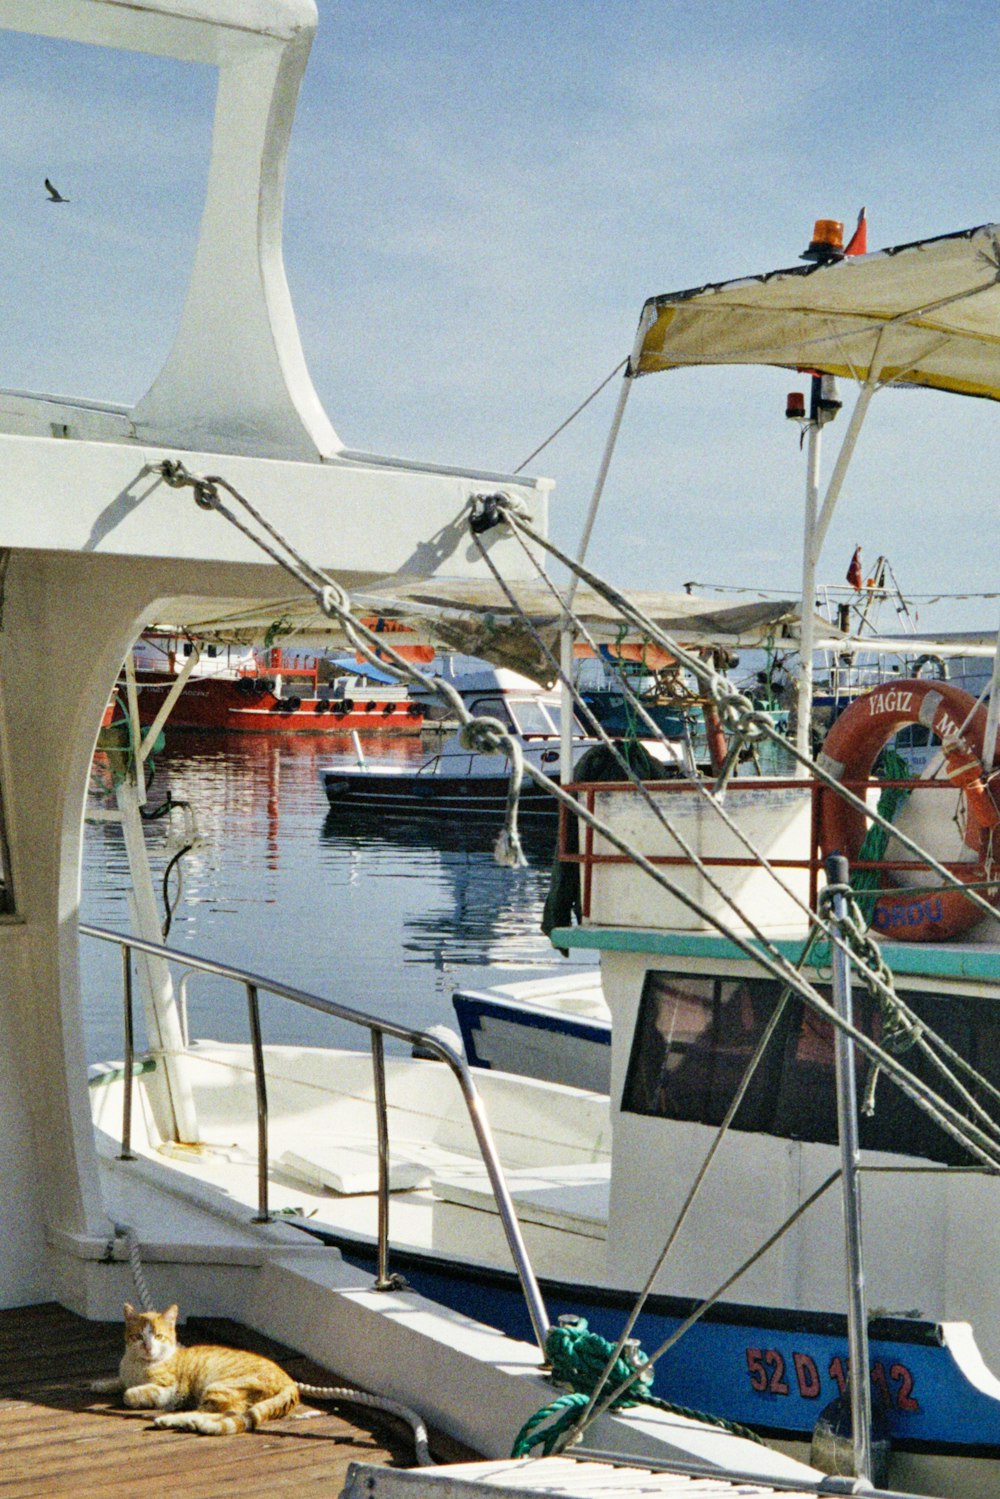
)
(767, 1368)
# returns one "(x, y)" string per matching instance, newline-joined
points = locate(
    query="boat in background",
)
(556, 1028)
(273, 690)
(460, 778)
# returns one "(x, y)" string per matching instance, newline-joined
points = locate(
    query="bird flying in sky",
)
(55, 196)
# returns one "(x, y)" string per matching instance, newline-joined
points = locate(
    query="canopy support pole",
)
(992, 714)
(566, 636)
(817, 523)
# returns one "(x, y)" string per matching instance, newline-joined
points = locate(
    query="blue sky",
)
(481, 196)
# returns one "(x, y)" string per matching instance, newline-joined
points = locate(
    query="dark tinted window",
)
(695, 1037)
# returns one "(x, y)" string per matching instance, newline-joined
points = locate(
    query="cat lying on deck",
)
(229, 1389)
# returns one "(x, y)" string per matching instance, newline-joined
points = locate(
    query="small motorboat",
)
(461, 778)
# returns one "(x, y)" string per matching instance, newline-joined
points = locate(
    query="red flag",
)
(858, 242)
(854, 573)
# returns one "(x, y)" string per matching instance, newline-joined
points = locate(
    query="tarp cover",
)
(927, 314)
(475, 618)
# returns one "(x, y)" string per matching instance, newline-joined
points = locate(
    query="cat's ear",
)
(170, 1315)
(129, 1311)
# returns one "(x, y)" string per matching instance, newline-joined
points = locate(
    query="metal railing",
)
(378, 1028)
(812, 861)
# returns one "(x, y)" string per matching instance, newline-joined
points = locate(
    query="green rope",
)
(284, 625)
(579, 1358)
(866, 882)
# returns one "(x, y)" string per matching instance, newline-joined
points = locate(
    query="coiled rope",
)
(580, 1359)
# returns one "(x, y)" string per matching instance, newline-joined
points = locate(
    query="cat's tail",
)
(209, 1423)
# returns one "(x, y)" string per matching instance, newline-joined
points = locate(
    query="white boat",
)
(697, 947)
(458, 776)
(556, 1028)
(115, 517)
(268, 1183)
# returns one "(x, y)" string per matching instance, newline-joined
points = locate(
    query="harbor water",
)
(385, 916)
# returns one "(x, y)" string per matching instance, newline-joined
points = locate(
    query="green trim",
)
(117, 1074)
(929, 959)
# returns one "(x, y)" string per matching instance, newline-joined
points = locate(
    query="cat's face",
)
(151, 1336)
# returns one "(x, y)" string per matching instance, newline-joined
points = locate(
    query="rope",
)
(122, 1231)
(865, 882)
(572, 417)
(489, 736)
(579, 1358)
(379, 1403)
(735, 708)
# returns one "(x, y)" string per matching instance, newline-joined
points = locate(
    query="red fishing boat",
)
(272, 691)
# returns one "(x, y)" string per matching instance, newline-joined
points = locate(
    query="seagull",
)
(55, 196)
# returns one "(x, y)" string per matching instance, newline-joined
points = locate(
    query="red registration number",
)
(771, 1374)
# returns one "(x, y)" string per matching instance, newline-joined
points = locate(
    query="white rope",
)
(572, 417)
(380, 1403)
(734, 707)
(122, 1231)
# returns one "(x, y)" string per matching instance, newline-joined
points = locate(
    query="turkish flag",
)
(858, 242)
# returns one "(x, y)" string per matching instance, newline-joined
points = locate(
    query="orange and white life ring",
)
(849, 752)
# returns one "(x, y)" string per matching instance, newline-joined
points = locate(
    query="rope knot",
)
(579, 1359)
(489, 510)
(333, 601)
(485, 736)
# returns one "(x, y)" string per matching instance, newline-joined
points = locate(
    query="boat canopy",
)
(925, 314)
(475, 616)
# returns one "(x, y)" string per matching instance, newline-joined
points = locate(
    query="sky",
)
(481, 196)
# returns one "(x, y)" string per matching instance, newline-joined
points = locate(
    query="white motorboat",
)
(270, 1183)
(556, 1028)
(458, 776)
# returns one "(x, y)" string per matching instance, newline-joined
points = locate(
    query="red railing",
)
(586, 792)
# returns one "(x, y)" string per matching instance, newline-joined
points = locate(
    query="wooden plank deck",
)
(59, 1439)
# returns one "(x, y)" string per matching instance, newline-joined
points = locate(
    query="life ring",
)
(849, 753)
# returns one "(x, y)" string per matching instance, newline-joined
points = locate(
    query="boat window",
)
(696, 1035)
(490, 707)
(914, 736)
(531, 717)
(554, 711)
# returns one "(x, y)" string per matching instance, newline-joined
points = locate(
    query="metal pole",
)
(992, 714)
(260, 1080)
(566, 635)
(807, 633)
(129, 1079)
(850, 1165)
(383, 1281)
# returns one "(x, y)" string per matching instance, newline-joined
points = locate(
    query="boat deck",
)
(60, 1439)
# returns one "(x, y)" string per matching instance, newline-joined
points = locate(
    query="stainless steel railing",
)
(377, 1028)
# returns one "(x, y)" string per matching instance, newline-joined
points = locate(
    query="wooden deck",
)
(59, 1439)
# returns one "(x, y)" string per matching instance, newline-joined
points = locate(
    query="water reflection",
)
(384, 916)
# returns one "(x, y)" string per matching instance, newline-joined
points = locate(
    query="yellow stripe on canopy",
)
(921, 314)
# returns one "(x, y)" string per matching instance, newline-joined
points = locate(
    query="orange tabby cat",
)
(230, 1390)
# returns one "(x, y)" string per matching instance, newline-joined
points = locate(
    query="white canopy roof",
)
(927, 313)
